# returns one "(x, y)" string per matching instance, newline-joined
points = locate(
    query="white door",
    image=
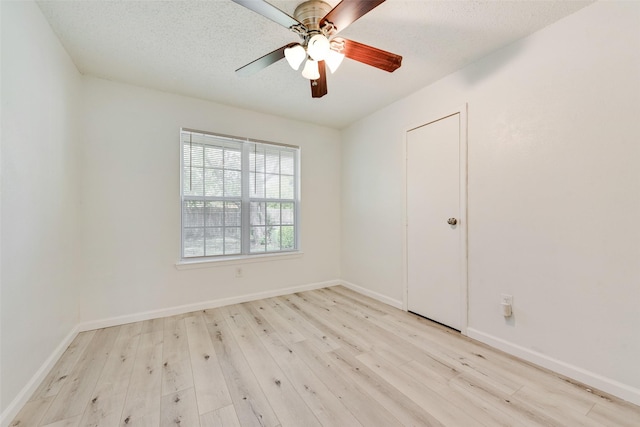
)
(434, 269)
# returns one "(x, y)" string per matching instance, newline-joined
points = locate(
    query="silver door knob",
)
(452, 221)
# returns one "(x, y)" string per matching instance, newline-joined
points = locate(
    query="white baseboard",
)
(187, 308)
(375, 295)
(623, 391)
(25, 394)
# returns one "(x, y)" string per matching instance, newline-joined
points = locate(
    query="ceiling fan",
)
(317, 24)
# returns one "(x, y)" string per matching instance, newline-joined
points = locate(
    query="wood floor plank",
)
(375, 338)
(153, 325)
(429, 383)
(223, 417)
(211, 389)
(308, 330)
(513, 408)
(558, 395)
(69, 422)
(63, 367)
(615, 413)
(338, 332)
(359, 305)
(176, 360)
(360, 308)
(253, 407)
(107, 401)
(361, 300)
(360, 403)
(179, 409)
(555, 408)
(382, 392)
(366, 316)
(130, 330)
(325, 405)
(73, 397)
(318, 299)
(286, 330)
(381, 340)
(287, 404)
(333, 322)
(434, 409)
(32, 412)
(210, 315)
(444, 403)
(142, 404)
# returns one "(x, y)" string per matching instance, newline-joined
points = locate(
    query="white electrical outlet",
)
(239, 272)
(506, 299)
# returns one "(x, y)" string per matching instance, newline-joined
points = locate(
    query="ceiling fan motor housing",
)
(311, 12)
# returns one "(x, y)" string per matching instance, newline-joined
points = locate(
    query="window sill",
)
(245, 259)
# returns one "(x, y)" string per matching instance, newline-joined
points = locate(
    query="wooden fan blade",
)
(263, 62)
(370, 55)
(347, 12)
(269, 11)
(319, 86)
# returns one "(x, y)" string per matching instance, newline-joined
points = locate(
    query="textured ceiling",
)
(194, 47)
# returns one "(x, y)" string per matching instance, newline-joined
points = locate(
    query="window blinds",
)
(239, 197)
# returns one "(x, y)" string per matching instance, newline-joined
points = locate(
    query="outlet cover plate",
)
(506, 299)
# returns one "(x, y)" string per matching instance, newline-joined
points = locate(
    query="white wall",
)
(554, 194)
(40, 106)
(131, 202)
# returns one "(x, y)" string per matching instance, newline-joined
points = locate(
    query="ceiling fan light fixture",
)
(333, 60)
(318, 47)
(311, 71)
(295, 55)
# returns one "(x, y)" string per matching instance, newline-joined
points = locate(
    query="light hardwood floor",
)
(329, 357)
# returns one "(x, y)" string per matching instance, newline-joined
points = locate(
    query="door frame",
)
(464, 254)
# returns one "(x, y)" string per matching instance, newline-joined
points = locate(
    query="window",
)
(239, 197)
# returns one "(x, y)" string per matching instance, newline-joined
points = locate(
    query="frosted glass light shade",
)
(311, 70)
(318, 47)
(333, 60)
(295, 55)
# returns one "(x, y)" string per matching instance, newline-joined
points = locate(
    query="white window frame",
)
(246, 145)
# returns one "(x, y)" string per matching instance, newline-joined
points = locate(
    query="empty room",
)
(232, 213)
